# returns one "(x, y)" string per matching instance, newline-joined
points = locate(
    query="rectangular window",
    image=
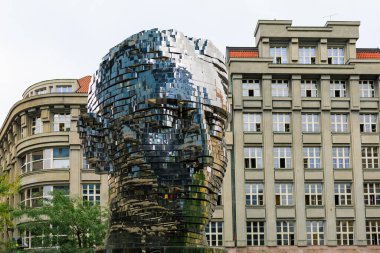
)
(281, 122)
(315, 233)
(335, 55)
(63, 89)
(91, 193)
(367, 89)
(342, 193)
(282, 158)
(370, 158)
(280, 88)
(373, 232)
(61, 157)
(306, 55)
(36, 196)
(40, 91)
(339, 123)
(253, 157)
(251, 88)
(284, 194)
(255, 233)
(278, 54)
(311, 158)
(285, 232)
(36, 125)
(310, 122)
(309, 89)
(214, 233)
(252, 122)
(368, 123)
(345, 232)
(341, 157)
(61, 122)
(338, 89)
(372, 194)
(313, 194)
(254, 194)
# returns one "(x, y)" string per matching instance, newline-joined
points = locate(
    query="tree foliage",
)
(63, 221)
(7, 189)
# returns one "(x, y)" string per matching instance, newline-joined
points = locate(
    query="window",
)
(219, 198)
(51, 158)
(40, 91)
(253, 158)
(36, 125)
(91, 193)
(313, 194)
(251, 88)
(345, 232)
(367, 89)
(342, 194)
(309, 89)
(370, 158)
(214, 233)
(338, 89)
(278, 54)
(32, 161)
(61, 158)
(35, 197)
(306, 55)
(61, 122)
(372, 194)
(41, 238)
(368, 123)
(310, 122)
(315, 232)
(252, 122)
(85, 164)
(63, 88)
(341, 157)
(282, 158)
(335, 55)
(254, 194)
(285, 233)
(255, 233)
(311, 158)
(281, 122)
(284, 194)
(280, 88)
(339, 123)
(373, 232)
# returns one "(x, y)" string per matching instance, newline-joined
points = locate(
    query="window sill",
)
(252, 132)
(252, 98)
(254, 207)
(254, 169)
(315, 206)
(310, 98)
(313, 169)
(311, 133)
(286, 206)
(342, 169)
(344, 206)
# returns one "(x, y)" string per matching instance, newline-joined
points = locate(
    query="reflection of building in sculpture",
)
(158, 110)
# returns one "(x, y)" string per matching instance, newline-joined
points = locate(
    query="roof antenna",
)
(330, 16)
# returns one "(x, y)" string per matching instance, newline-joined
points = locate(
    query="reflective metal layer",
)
(157, 114)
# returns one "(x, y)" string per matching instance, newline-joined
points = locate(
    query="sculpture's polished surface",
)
(157, 114)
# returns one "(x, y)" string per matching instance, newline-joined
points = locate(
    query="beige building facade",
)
(40, 146)
(303, 145)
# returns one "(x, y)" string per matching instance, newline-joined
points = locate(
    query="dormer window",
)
(307, 55)
(335, 55)
(279, 55)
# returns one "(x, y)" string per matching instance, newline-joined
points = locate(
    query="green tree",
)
(66, 222)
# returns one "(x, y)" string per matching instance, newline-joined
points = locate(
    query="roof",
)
(368, 53)
(242, 52)
(83, 84)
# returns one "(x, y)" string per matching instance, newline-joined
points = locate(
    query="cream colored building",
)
(303, 145)
(40, 146)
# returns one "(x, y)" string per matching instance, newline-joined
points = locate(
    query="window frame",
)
(279, 53)
(281, 122)
(368, 122)
(373, 232)
(285, 237)
(280, 88)
(251, 87)
(92, 198)
(310, 85)
(339, 123)
(307, 54)
(315, 227)
(313, 194)
(367, 88)
(218, 233)
(371, 197)
(258, 232)
(254, 194)
(255, 153)
(337, 59)
(338, 89)
(311, 157)
(341, 195)
(284, 196)
(343, 234)
(372, 161)
(341, 157)
(310, 126)
(282, 156)
(252, 122)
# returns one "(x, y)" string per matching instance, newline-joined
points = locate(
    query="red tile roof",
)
(368, 55)
(243, 54)
(83, 83)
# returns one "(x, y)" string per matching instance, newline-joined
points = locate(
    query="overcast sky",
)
(49, 39)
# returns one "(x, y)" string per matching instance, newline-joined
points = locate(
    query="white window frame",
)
(338, 89)
(367, 88)
(279, 54)
(309, 88)
(373, 232)
(280, 88)
(254, 194)
(345, 232)
(214, 233)
(310, 123)
(253, 155)
(285, 232)
(281, 122)
(252, 122)
(343, 194)
(284, 194)
(63, 88)
(255, 229)
(251, 88)
(29, 201)
(315, 232)
(282, 156)
(368, 123)
(36, 125)
(93, 198)
(370, 157)
(335, 55)
(61, 122)
(341, 157)
(307, 55)
(311, 157)
(313, 194)
(339, 122)
(48, 160)
(372, 194)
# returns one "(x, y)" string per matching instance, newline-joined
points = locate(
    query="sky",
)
(45, 39)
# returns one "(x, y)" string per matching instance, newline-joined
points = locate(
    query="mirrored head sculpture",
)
(157, 111)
